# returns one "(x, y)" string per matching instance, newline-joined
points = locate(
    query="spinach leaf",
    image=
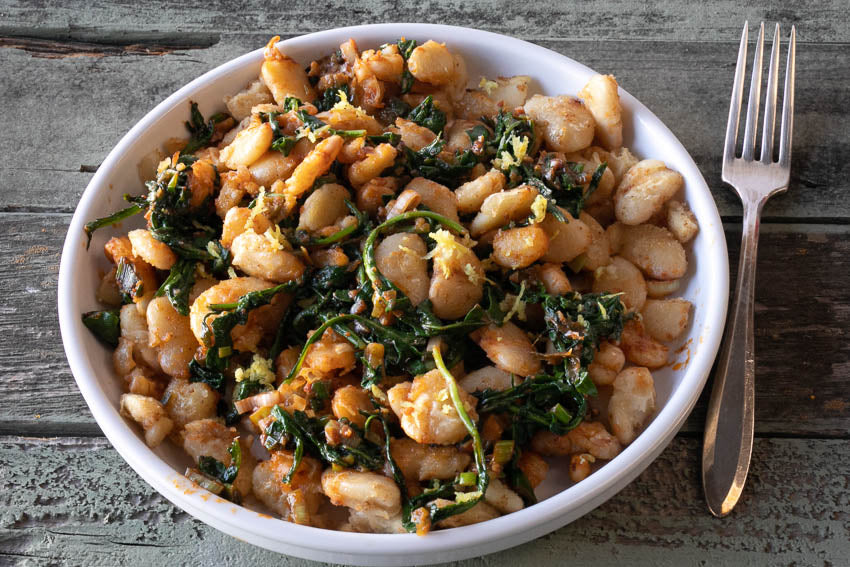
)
(385, 138)
(315, 124)
(280, 141)
(555, 401)
(216, 469)
(129, 283)
(105, 325)
(426, 163)
(331, 96)
(428, 115)
(406, 47)
(201, 131)
(307, 433)
(562, 182)
(178, 284)
(212, 378)
(248, 388)
(220, 347)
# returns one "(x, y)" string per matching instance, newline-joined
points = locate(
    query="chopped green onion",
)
(204, 481)
(466, 478)
(561, 414)
(503, 451)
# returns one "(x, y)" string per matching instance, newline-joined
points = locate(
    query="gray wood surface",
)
(77, 75)
(76, 502)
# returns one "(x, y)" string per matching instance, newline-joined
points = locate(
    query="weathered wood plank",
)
(793, 512)
(802, 332)
(102, 97)
(802, 329)
(671, 20)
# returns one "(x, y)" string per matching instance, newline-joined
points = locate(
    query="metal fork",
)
(728, 442)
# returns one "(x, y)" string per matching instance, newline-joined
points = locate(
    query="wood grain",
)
(98, 98)
(803, 365)
(75, 501)
(668, 20)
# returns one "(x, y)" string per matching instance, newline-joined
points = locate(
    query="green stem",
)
(454, 392)
(369, 247)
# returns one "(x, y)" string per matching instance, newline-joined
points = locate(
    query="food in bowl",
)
(350, 307)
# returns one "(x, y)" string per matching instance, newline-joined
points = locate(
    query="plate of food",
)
(394, 294)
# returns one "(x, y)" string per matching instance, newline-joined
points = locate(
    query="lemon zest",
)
(487, 85)
(538, 207)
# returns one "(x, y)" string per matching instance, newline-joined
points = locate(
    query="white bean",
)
(267, 486)
(603, 101)
(509, 348)
(427, 462)
(631, 403)
(621, 276)
(239, 105)
(655, 251)
(187, 401)
(248, 146)
(501, 208)
(666, 319)
(471, 195)
(148, 413)
(362, 491)
(324, 207)
(436, 197)
(284, 76)
(426, 411)
(565, 123)
(211, 438)
(566, 239)
(607, 363)
(260, 257)
(681, 221)
(400, 258)
(640, 348)
(520, 247)
(432, 63)
(488, 378)
(644, 189)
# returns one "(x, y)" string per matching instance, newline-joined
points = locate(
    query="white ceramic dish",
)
(486, 54)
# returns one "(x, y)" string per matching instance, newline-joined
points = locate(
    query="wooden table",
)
(75, 76)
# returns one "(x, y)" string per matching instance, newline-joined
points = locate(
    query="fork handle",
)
(728, 441)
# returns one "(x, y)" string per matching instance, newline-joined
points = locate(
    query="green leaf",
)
(406, 47)
(105, 325)
(201, 131)
(330, 97)
(178, 284)
(213, 378)
(248, 388)
(129, 283)
(428, 115)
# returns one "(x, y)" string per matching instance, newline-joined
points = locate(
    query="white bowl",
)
(486, 54)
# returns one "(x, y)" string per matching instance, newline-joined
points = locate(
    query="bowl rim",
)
(604, 483)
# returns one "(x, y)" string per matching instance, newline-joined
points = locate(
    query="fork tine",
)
(788, 104)
(755, 98)
(735, 103)
(770, 101)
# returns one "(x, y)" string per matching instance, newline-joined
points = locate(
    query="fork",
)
(728, 440)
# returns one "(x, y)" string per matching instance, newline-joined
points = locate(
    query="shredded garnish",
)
(487, 85)
(538, 207)
(261, 370)
(259, 208)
